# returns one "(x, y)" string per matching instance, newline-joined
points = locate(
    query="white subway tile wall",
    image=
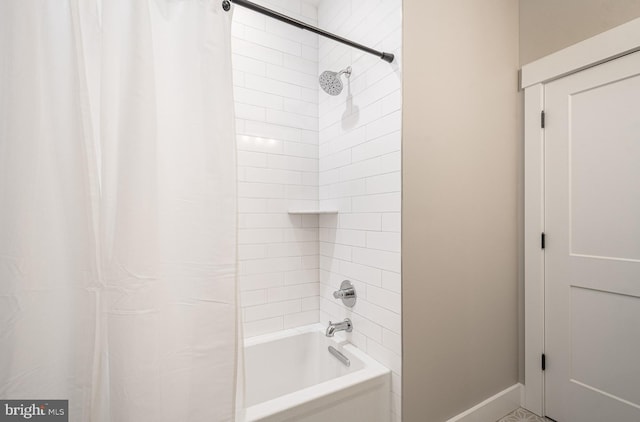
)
(359, 165)
(276, 104)
(299, 148)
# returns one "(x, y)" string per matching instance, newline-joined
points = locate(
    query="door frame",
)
(609, 45)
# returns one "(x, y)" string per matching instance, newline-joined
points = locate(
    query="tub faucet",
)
(339, 326)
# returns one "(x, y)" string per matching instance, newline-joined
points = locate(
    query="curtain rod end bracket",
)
(387, 57)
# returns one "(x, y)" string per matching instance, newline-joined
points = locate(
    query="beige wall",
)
(547, 26)
(460, 173)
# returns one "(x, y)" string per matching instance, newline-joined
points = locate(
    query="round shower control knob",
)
(347, 293)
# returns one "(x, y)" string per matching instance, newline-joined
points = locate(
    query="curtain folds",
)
(118, 208)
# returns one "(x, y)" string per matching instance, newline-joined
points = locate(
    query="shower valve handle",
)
(347, 293)
(341, 294)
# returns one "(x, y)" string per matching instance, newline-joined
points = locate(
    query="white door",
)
(592, 255)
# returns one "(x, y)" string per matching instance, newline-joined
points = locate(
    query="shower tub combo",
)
(301, 375)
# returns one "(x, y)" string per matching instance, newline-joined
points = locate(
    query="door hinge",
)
(544, 362)
(542, 119)
(542, 241)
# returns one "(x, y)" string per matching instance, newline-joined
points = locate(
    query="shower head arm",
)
(347, 72)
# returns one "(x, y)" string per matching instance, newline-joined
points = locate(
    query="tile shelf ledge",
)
(313, 211)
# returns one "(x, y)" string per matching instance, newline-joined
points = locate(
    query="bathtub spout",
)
(345, 325)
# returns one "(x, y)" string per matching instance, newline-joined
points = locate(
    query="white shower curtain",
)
(118, 208)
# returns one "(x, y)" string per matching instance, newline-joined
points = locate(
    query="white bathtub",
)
(291, 376)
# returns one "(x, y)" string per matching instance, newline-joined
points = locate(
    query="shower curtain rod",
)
(226, 5)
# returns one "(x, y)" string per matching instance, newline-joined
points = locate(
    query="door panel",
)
(604, 161)
(592, 259)
(601, 324)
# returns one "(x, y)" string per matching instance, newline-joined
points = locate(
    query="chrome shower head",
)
(330, 81)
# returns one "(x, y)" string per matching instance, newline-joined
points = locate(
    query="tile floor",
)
(522, 415)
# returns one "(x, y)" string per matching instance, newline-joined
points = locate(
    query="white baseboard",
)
(494, 407)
